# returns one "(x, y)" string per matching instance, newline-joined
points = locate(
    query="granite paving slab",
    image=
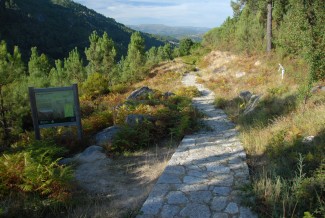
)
(204, 176)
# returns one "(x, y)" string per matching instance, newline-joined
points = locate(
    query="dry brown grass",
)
(166, 77)
(261, 77)
(303, 122)
(261, 73)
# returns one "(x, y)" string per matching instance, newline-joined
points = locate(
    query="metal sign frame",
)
(35, 111)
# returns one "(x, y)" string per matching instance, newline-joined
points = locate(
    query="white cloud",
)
(205, 13)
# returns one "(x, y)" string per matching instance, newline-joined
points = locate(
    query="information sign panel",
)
(55, 107)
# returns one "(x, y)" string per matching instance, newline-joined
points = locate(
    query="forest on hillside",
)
(297, 29)
(56, 27)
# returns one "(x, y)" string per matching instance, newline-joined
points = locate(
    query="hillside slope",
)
(57, 26)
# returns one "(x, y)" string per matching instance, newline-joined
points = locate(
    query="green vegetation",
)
(31, 180)
(287, 172)
(29, 170)
(174, 117)
(102, 75)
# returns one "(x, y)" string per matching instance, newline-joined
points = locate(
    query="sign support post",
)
(77, 110)
(34, 112)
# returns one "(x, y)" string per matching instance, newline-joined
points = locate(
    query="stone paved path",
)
(204, 176)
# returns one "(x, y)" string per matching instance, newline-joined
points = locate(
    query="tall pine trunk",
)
(269, 27)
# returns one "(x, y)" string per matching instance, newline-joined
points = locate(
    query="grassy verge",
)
(287, 172)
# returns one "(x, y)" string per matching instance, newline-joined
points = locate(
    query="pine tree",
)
(185, 46)
(168, 52)
(39, 68)
(151, 57)
(74, 67)
(11, 69)
(100, 54)
(58, 75)
(269, 27)
(133, 63)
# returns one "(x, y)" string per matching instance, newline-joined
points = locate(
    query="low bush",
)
(220, 102)
(268, 109)
(188, 91)
(132, 138)
(97, 121)
(173, 117)
(119, 88)
(280, 197)
(95, 85)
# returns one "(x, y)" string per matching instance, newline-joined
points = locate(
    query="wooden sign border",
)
(37, 126)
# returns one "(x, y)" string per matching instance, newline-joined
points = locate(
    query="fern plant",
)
(35, 169)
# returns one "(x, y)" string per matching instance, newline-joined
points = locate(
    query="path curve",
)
(204, 176)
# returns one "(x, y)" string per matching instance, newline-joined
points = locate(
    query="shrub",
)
(188, 91)
(220, 102)
(96, 84)
(291, 197)
(33, 172)
(97, 121)
(119, 88)
(132, 138)
(174, 116)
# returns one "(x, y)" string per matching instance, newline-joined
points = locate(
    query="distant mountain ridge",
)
(178, 32)
(57, 26)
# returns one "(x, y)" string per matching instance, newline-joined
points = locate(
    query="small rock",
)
(257, 63)
(170, 211)
(240, 74)
(223, 191)
(193, 180)
(220, 69)
(91, 154)
(152, 206)
(167, 178)
(200, 196)
(106, 136)
(140, 93)
(176, 197)
(168, 94)
(220, 215)
(219, 203)
(232, 208)
(65, 161)
(318, 89)
(308, 140)
(134, 119)
(194, 210)
(253, 101)
(245, 95)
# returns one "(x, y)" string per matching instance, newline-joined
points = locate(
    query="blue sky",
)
(198, 13)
